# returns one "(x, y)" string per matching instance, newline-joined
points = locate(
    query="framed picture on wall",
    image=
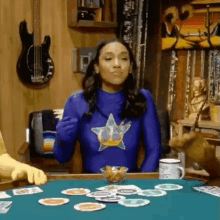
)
(195, 25)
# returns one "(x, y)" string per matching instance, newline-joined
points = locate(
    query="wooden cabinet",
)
(105, 16)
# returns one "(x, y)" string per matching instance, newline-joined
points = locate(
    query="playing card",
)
(5, 206)
(36, 189)
(212, 190)
(22, 191)
(27, 191)
(4, 195)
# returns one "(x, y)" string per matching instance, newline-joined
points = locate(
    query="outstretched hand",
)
(194, 146)
(32, 174)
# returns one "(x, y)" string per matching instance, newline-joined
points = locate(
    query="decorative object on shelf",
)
(85, 13)
(199, 99)
(34, 65)
(91, 4)
(82, 3)
(88, 13)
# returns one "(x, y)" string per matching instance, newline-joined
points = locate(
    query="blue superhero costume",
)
(105, 139)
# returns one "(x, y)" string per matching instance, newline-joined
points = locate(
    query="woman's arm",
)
(151, 136)
(67, 129)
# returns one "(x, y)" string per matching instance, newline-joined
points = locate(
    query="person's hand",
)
(32, 174)
(66, 128)
(195, 146)
(58, 113)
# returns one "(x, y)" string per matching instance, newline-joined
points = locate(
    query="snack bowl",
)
(114, 174)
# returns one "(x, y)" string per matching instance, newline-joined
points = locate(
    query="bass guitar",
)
(34, 65)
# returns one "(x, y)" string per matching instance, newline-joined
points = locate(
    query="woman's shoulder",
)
(146, 93)
(76, 102)
(76, 96)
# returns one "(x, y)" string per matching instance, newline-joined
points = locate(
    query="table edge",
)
(142, 175)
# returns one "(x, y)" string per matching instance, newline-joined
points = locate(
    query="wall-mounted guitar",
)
(34, 65)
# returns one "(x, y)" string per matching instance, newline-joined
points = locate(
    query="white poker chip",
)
(101, 194)
(89, 206)
(134, 202)
(53, 201)
(109, 187)
(75, 191)
(168, 186)
(127, 191)
(110, 199)
(152, 192)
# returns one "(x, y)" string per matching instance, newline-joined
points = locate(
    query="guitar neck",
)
(37, 32)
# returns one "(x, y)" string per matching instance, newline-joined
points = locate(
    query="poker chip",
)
(110, 199)
(152, 192)
(53, 201)
(75, 191)
(101, 194)
(168, 186)
(134, 202)
(89, 206)
(109, 187)
(127, 191)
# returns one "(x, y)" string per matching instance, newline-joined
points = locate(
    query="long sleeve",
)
(64, 149)
(151, 136)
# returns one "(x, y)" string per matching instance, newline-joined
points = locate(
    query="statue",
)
(199, 89)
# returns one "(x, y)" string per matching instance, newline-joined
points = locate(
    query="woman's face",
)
(113, 66)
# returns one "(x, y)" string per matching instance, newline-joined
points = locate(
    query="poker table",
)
(186, 203)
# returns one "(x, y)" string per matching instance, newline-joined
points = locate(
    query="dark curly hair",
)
(135, 103)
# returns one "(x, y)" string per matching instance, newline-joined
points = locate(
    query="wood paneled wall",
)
(17, 100)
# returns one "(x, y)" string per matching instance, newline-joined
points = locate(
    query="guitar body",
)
(34, 65)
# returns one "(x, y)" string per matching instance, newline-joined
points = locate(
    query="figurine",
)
(199, 89)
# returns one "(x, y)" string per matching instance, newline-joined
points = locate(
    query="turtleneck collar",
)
(105, 98)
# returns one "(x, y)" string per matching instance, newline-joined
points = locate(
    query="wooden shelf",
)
(201, 124)
(105, 18)
(85, 8)
(99, 24)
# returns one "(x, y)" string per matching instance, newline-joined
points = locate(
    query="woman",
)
(110, 115)
(10, 168)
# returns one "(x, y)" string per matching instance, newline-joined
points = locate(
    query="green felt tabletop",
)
(184, 204)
